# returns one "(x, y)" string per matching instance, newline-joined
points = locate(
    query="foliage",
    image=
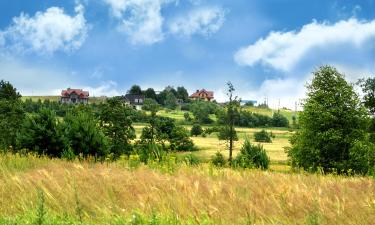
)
(218, 160)
(180, 140)
(151, 105)
(263, 136)
(85, 135)
(332, 122)
(150, 152)
(135, 90)
(150, 93)
(252, 156)
(231, 114)
(41, 132)
(279, 120)
(196, 130)
(368, 88)
(182, 94)
(191, 159)
(170, 101)
(201, 111)
(115, 119)
(11, 114)
(187, 116)
(362, 157)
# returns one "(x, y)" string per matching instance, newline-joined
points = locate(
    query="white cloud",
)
(204, 21)
(141, 20)
(106, 88)
(283, 50)
(46, 32)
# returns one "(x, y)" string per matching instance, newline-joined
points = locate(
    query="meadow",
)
(54, 191)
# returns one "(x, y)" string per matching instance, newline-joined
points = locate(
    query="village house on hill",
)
(136, 101)
(74, 96)
(202, 95)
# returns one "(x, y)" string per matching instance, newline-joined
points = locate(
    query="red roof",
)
(203, 94)
(79, 92)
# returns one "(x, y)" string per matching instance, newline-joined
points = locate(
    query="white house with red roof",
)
(202, 95)
(74, 96)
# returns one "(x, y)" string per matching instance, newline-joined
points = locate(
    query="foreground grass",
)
(60, 192)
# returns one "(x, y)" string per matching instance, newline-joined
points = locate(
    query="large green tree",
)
(135, 90)
(115, 119)
(332, 123)
(11, 114)
(182, 94)
(41, 132)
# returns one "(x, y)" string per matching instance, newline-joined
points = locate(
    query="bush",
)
(279, 120)
(263, 136)
(196, 130)
(362, 157)
(180, 140)
(187, 116)
(150, 152)
(218, 160)
(252, 156)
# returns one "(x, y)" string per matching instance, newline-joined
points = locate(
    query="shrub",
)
(252, 156)
(279, 120)
(180, 140)
(362, 157)
(218, 160)
(150, 152)
(187, 116)
(196, 130)
(263, 136)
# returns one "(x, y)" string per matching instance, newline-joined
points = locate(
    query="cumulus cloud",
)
(204, 21)
(284, 50)
(46, 32)
(141, 20)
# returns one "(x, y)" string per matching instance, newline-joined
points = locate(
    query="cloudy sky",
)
(267, 48)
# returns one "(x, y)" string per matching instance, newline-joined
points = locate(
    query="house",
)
(202, 95)
(74, 96)
(136, 101)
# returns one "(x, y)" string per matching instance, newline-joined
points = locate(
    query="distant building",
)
(202, 95)
(74, 96)
(136, 101)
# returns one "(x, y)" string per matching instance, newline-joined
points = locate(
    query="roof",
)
(81, 93)
(210, 94)
(131, 98)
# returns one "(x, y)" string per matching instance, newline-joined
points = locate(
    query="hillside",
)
(124, 192)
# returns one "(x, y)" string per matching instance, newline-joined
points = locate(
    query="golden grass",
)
(222, 196)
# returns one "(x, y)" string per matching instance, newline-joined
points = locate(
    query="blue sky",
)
(267, 48)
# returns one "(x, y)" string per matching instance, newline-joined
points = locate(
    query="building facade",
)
(74, 96)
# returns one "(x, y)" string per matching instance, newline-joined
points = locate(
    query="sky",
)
(268, 49)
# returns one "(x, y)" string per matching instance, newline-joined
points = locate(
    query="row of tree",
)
(168, 97)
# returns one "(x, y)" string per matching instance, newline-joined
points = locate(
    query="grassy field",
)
(209, 145)
(58, 192)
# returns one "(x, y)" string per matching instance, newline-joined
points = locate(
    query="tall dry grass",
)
(103, 193)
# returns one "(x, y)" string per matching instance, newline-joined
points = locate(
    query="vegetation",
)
(252, 156)
(263, 136)
(333, 125)
(196, 130)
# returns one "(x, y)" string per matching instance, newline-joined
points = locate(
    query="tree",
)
(196, 130)
(182, 94)
(231, 113)
(115, 119)
(135, 90)
(368, 88)
(153, 107)
(84, 134)
(11, 114)
(263, 136)
(201, 111)
(41, 132)
(332, 122)
(170, 101)
(278, 120)
(150, 93)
